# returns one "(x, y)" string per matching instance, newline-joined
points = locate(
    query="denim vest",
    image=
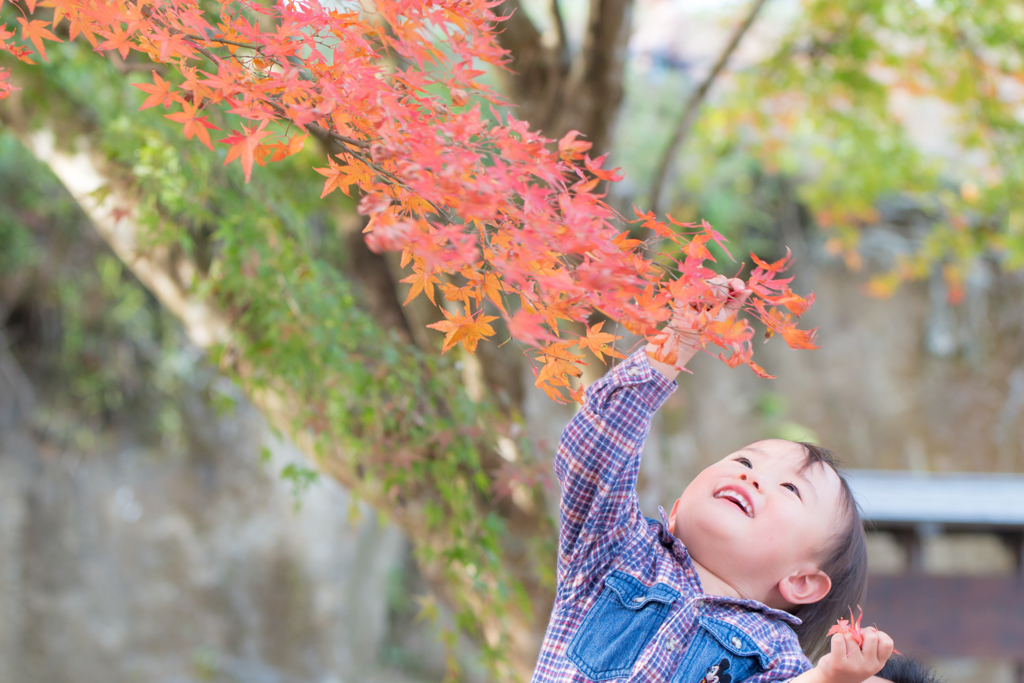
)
(628, 614)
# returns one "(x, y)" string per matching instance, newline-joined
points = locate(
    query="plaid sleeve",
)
(790, 665)
(598, 460)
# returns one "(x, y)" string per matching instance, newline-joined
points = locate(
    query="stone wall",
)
(128, 561)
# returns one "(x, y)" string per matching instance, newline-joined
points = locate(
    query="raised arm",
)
(598, 457)
(598, 460)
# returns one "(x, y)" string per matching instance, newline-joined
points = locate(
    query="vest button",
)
(736, 642)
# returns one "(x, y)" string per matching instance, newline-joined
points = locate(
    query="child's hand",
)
(686, 321)
(851, 663)
(680, 338)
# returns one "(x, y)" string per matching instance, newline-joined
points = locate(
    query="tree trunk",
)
(558, 92)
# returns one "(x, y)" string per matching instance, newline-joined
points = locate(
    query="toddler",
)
(758, 557)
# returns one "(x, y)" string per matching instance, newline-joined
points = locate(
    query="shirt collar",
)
(671, 541)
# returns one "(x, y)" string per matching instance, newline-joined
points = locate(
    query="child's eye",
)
(744, 462)
(792, 488)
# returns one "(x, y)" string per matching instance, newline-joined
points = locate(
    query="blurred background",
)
(154, 526)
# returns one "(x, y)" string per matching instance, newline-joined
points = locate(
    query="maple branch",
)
(202, 50)
(313, 128)
(250, 46)
(692, 107)
(125, 67)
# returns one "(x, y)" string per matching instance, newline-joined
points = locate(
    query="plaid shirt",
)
(629, 603)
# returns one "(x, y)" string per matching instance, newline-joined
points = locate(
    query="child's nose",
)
(757, 486)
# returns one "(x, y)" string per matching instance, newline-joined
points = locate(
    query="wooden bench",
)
(933, 616)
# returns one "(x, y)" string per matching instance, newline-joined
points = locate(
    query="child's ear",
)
(805, 586)
(672, 518)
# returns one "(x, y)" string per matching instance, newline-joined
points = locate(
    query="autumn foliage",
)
(491, 218)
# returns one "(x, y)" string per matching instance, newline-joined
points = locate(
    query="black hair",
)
(845, 562)
(901, 669)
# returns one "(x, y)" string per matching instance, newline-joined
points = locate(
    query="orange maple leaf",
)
(600, 342)
(799, 339)
(294, 146)
(36, 32)
(481, 285)
(420, 282)
(456, 293)
(776, 267)
(759, 371)
(468, 329)
(76, 26)
(556, 372)
(623, 242)
(194, 124)
(553, 393)
(342, 177)
(559, 365)
(784, 325)
(159, 92)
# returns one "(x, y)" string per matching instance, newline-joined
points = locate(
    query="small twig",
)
(321, 132)
(257, 48)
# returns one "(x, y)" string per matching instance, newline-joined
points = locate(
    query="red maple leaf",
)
(159, 92)
(119, 39)
(852, 628)
(243, 146)
(194, 125)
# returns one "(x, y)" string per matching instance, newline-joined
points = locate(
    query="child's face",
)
(759, 515)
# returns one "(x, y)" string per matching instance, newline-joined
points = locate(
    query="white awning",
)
(949, 498)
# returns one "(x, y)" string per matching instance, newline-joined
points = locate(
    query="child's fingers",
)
(870, 644)
(732, 292)
(739, 288)
(839, 648)
(885, 646)
(736, 285)
(853, 648)
(738, 294)
(877, 646)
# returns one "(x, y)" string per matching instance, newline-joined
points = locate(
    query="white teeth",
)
(736, 498)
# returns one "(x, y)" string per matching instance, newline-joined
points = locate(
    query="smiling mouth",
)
(738, 500)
